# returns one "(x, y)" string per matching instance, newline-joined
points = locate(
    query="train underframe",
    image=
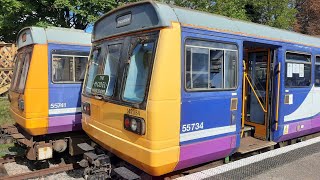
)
(43, 147)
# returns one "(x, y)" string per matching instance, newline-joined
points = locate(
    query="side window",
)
(317, 72)
(68, 67)
(298, 70)
(210, 65)
(62, 68)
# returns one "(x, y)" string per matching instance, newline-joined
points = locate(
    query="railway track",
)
(62, 167)
(41, 172)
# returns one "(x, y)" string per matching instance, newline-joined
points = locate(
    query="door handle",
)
(234, 104)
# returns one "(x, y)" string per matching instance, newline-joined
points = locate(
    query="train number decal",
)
(192, 127)
(58, 105)
(133, 112)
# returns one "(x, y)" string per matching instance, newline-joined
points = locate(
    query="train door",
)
(257, 99)
(258, 84)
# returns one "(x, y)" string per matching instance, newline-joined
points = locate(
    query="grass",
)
(5, 118)
(4, 112)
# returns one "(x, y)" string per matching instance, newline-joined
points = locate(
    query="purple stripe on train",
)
(202, 152)
(301, 128)
(67, 123)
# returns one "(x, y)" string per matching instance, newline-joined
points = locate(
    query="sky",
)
(89, 28)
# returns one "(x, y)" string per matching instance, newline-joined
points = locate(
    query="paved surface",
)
(294, 162)
(305, 168)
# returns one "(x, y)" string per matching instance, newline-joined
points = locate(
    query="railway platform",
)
(297, 161)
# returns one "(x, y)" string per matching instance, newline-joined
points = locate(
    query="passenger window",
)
(317, 72)
(298, 70)
(138, 73)
(62, 68)
(68, 67)
(210, 65)
(216, 74)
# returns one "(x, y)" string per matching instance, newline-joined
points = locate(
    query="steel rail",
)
(40, 173)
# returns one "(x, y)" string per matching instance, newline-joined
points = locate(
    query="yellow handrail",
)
(243, 98)
(278, 96)
(263, 108)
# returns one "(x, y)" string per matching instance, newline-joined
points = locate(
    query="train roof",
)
(39, 35)
(149, 14)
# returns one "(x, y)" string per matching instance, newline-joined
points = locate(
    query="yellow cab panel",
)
(133, 118)
(29, 90)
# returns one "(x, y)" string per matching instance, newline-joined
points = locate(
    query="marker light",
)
(21, 104)
(9, 97)
(134, 124)
(86, 108)
(127, 122)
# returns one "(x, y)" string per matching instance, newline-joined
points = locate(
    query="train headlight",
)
(134, 124)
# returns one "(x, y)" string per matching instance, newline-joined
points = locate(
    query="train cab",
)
(46, 86)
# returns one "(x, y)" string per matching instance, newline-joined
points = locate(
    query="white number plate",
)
(192, 127)
(58, 105)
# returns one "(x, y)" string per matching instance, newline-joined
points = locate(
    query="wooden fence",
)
(7, 53)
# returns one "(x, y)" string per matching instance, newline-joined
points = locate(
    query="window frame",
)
(223, 70)
(315, 64)
(73, 66)
(297, 62)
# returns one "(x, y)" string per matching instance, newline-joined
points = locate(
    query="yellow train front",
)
(124, 107)
(46, 89)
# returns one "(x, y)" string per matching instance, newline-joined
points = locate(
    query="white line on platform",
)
(246, 161)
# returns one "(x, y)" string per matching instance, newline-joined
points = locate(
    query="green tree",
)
(275, 13)
(16, 14)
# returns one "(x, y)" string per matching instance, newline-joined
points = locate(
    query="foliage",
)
(308, 17)
(4, 112)
(279, 13)
(276, 13)
(16, 14)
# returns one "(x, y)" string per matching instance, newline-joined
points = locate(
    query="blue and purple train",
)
(183, 87)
